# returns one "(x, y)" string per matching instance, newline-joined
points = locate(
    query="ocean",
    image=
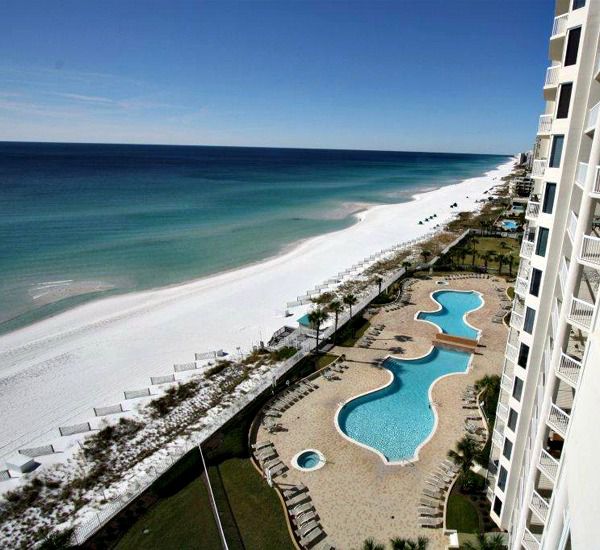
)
(80, 221)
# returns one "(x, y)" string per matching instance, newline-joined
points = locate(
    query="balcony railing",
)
(497, 439)
(581, 312)
(581, 173)
(527, 248)
(572, 227)
(516, 321)
(513, 338)
(590, 250)
(521, 286)
(502, 412)
(562, 274)
(538, 168)
(511, 352)
(569, 369)
(555, 319)
(533, 210)
(531, 541)
(596, 185)
(592, 118)
(539, 505)
(548, 465)
(545, 124)
(552, 74)
(560, 25)
(558, 420)
(506, 382)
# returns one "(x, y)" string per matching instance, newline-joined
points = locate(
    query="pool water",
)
(454, 305)
(304, 321)
(396, 419)
(509, 224)
(308, 459)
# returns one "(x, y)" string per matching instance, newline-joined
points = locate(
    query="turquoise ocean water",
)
(129, 217)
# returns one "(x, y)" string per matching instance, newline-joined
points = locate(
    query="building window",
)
(502, 478)
(536, 281)
(523, 356)
(497, 506)
(529, 320)
(549, 194)
(556, 151)
(564, 100)
(507, 450)
(542, 241)
(578, 4)
(517, 388)
(572, 46)
(512, 419)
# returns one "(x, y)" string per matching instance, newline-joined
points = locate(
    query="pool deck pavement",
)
(355, 494)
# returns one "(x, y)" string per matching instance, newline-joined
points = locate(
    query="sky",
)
(418, 75)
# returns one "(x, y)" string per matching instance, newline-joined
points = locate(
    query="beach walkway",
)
(356, 495)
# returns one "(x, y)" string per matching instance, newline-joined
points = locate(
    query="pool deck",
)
(355, 494)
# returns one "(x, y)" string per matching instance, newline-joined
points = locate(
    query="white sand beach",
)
(54, 372)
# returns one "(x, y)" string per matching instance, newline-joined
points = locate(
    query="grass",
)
(511, 292)
(183, 521)
(461, 514)
(495, 245)
(352, 331)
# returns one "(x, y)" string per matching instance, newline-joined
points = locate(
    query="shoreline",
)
(88, 355)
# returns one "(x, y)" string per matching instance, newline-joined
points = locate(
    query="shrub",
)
(283, 354)
(471, 482)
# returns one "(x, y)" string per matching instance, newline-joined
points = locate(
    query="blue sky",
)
(463, 76)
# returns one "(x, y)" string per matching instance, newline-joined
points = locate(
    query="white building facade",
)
(544, 482)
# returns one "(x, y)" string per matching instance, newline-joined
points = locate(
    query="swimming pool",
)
(454, 305)
(509, 224)
(397, 419)
(304, 321)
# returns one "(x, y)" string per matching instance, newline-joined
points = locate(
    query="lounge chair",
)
(431, 493)
(427, 511)
(298, 499)
(436, 484)
(266, 454)
(306, 517)
(262, 445)
(307, 527)
(425, 521)
(300, 508)
(293, 491)
(429, 503)
(278, 469)
(311, 537)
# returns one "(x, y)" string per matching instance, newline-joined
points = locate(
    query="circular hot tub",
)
(308, 460)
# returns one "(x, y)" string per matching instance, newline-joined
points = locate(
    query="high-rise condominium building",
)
(545, 458)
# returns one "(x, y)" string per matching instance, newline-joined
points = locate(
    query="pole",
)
(214, 503)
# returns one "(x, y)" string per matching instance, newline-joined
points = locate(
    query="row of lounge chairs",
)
(433, 495)
(468, 276)
(404, 296)
(332, 372)
(469, 398)
(266, 455)
(371, 335)
(304, 517)
(284, 401)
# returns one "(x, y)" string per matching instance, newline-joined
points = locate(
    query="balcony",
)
(569, 369)
(581, 313)
(502, 412)
(511, 352)
(548, 465)
(533, 210)
(555, 319)
(560, 26)
(592, 118)
(516, 321)
(538, 168)
(506, 382)
(590, 251)
(581, 173)
(531, 541)
(521, 286)
(562, 274)
(497, 439)
(595, 191)
(558, 420)
(527, 249)
(572, 226)
(551, 82)
(539, 506)
(545, 125)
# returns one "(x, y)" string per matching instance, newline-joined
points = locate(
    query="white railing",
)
(549, 465)
(590, 250)
(497, 439)
(533, 209)
(581, 173)
(547, 359)
(502, 412)
(552, 76)
(521, 286)
(555, 319)
(545, 124)
(562, 274)
(524, 270)
(560, 25)
(539, 505)
(506, 382)
(519, 307)
(539, 167)
(516, 321)
(581, 312)
(558, 420)
(530, 541)
(569, 369)
(527, 248)
(572, 227)
(513, 338)
(592, 117)
(511, 352)
(596, 186)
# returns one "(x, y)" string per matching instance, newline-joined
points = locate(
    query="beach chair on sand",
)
(425, 521)
(305, 518)
(277, 469)
(312, 537)
(427, 511)
(299, 499)
(300, 508)
(306, 528)
(262, 445)
(429, 503)
(293, 491)
(266, 454)
(431, 493)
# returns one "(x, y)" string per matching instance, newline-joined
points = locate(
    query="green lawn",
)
(511, 292)
(496, 245)
(183, 521)
(461, 514)
(354, 329)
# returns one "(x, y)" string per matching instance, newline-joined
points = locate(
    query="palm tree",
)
(350, 300)
(474, 254)
(500, 258)
(378, 279)
(488, 385)
(425, 254)
(486, 257)
(370, 544)
(493, 542)
(511, 259)
(406, 265)
(335, 307)
(409, 544)
(316, 318)
(465, 453)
